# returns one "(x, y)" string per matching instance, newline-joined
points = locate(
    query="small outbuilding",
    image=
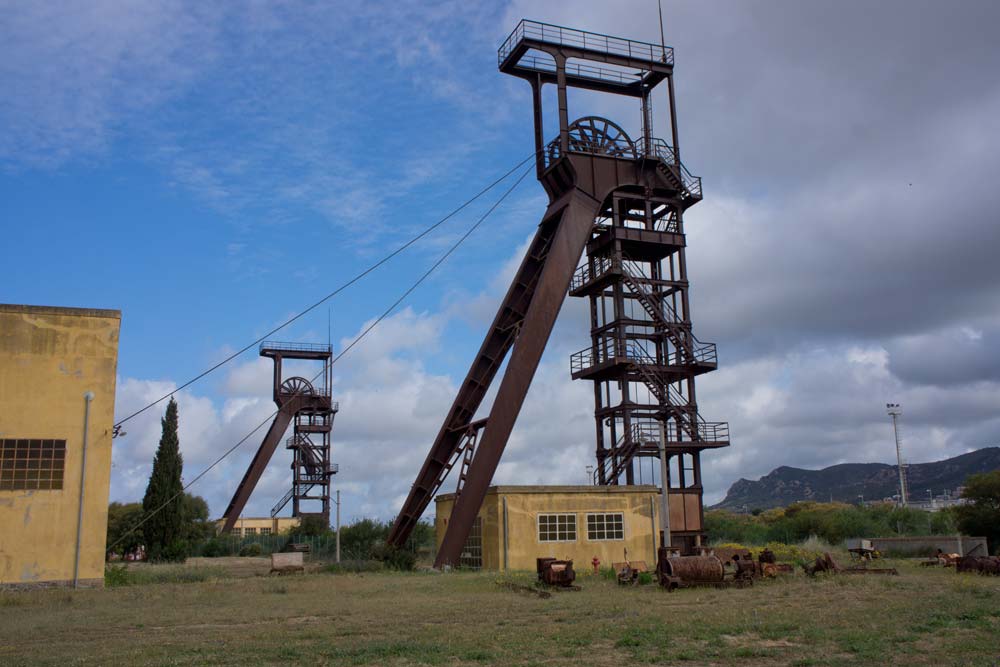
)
(518, 524)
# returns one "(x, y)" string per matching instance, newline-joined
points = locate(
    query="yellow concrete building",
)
(57, 404)
(251, 526)
(518, 524)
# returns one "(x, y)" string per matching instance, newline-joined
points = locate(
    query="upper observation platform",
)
(529, 52)
(271, 348)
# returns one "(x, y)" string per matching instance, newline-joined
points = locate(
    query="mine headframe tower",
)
(621, 201)
(311, 410)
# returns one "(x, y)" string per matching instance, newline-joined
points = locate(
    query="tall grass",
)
(121, 575)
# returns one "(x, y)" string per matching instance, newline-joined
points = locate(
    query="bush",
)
(116, 575)
(394, 558)
(252, 549)
(831, 522)
(353, 566)
(215, 548)
(175, 552)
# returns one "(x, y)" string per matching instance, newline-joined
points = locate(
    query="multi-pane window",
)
(556, 527)
(247, 532)
(472, 552)
(28, 465)
(235, 532)
(606, 526)
(265, 531)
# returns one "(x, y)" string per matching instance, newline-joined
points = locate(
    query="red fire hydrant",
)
(596, 563)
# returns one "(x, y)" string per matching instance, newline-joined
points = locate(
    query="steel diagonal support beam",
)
(573, 216)
(260, 460)
(498, 342)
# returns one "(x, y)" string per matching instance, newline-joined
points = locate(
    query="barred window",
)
(247, 532)
(606, 526)
(28, 465)
(265, 531)
(557, 528)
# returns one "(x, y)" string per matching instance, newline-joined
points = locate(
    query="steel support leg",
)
(260, 460)
(576, 220)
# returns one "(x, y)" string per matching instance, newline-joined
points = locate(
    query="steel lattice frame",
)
(622, 203)
(311, 410)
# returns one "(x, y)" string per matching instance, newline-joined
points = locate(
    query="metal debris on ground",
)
(825, 563)
(984, 565)
(521, 588)
(687, 571)
(554, 572)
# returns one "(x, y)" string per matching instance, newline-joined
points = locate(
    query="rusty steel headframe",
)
(622, 202)
(312, 410)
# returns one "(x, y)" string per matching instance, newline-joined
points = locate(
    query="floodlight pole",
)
(338, 525)
(895, 411)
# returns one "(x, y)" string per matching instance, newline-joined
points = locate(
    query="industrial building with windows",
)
(518, 524)
(253, 526)
(57, 398)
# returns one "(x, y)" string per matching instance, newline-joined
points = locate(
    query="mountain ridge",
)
(846, 482)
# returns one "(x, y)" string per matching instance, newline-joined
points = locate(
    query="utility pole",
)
(338, 525)
(895, 412)
(665, 485)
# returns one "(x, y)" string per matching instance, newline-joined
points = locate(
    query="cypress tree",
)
(163, 529)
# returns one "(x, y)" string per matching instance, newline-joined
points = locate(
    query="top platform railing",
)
(587, 41)
(295, 347)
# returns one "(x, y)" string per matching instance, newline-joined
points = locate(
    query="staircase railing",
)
(280, 505)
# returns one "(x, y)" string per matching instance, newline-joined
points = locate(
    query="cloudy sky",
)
(211, 169)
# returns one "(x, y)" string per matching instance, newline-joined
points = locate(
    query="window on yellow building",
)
(606, 526)
(265, 531)
(28, 465)
(557, 528)
(235, 532)
(249, 531)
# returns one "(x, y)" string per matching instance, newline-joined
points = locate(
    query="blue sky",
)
(209, 169)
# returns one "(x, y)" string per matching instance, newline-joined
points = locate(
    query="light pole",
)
(665, 482)
(895, 412)
(338, 525)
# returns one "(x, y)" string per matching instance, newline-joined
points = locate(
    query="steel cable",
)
(338, 290)
(354, 342)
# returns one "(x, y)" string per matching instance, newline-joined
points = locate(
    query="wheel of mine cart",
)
(593, 134)
(298, 386)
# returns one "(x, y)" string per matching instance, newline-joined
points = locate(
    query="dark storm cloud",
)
(845, 254)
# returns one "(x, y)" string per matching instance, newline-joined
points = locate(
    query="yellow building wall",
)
(277, 525)
(639, 506)
(49, 358)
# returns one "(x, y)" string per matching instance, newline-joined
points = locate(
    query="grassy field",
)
(216, 617)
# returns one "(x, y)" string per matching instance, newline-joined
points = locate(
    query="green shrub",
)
(353, 566)
(116, 575)
(176, 552)
(215, 548)
(252, 549)
(393, 557)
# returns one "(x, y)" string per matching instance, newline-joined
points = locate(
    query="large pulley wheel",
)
(600, 136)
(297, 386)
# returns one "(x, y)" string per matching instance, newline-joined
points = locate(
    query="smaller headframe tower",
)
(312, 411)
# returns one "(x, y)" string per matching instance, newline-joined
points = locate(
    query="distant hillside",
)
(845, 482)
